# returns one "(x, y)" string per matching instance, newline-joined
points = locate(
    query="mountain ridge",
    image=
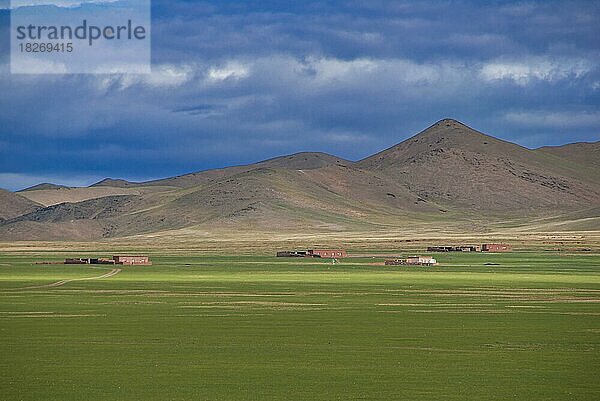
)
(451, 162)
(448, 172)
(43, 186)
(299, 160)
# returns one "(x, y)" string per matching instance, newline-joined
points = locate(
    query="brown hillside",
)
(116, 183)
(12, 205)
(453, 164)
(42, 186)
(331, 198)
(296, 161)
(49, 197)
(334, 197)
(585, 154)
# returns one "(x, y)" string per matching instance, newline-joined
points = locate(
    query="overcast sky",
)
(239, 81)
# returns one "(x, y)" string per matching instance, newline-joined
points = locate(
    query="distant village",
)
(334, 254)
(115, 260)
(411, 260)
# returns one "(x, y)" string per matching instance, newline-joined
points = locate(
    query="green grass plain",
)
(261, 328)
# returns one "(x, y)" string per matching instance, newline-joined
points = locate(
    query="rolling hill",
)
(114, 183)
(55, 196)
(584, 156)
(13, 205)
(447, 174)
(296, 161)
(43, 186)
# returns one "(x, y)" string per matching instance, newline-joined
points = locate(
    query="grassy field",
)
(524, 325)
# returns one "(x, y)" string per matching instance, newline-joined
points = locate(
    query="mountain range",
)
(447, 173)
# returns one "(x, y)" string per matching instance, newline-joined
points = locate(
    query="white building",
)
(421, 260)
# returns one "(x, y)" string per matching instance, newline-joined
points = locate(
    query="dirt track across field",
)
(111, 273)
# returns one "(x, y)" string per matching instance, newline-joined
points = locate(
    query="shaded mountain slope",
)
(89, 219)
(93, 209)
(12, 205)
(43, 186)
(49, 197)
(452, 164)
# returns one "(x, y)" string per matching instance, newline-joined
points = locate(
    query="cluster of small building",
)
(412, 261)
(116, 260)
(471, 248)
(308, 253)
(314, 253)
(311, 253)
(430, 261)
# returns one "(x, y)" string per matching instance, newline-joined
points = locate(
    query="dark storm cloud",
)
(234, 82)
